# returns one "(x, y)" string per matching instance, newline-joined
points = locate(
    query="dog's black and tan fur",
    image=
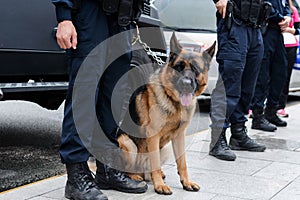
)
(165, 109)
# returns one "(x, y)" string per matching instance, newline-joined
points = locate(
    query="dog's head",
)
(186, 73)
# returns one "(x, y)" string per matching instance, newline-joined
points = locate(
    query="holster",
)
(125, 12)
(263, 16)
(229, 13)
(110, 6)
(130, 10)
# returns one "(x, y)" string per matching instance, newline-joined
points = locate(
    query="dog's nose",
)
(186, 81)
(187, 84)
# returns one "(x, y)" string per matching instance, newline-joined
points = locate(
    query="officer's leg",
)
(262, 83)
(262, 86)
(72, 149)
(278, 76)
(291, 57)
(226, 94)
(239, 139)
(250, 73)
(218, 145)
(223, 101)
(232, 48)
(114, 80)
(111, 110)
(80, 182)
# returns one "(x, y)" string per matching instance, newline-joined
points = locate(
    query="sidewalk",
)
(273, 174)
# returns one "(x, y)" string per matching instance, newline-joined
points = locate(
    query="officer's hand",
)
(66, 35)
(221, 6)
(284, 23)
(289, 30)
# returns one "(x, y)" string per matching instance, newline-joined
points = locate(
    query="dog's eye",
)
(196, 68)
(179, 66)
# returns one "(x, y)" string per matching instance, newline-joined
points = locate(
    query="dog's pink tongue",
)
(186, 99)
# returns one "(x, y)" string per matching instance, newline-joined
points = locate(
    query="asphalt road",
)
(29, 140)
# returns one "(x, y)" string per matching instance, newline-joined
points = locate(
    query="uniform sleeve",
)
(63, 9)
(286, 9)
(275, 16)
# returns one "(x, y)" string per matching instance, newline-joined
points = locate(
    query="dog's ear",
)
(175, 48)
(209, 53)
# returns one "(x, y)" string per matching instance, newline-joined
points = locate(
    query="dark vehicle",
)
(32, 66)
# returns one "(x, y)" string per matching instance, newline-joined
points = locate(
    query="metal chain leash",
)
(156, 58)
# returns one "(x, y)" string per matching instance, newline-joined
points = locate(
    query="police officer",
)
(273, 72)
(82, 25)
(240, 51)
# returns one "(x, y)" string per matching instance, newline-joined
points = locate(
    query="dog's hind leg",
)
(130, 156)
(129, 152)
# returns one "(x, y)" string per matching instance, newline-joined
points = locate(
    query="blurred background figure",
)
(273, 71)
(291, 42)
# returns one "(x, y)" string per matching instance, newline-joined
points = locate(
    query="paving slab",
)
(279, 171)
(241, 166)
(290, 192)
(35, 189)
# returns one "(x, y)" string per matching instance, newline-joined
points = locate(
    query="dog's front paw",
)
(163, 189)
(190, 186)
(136, 177)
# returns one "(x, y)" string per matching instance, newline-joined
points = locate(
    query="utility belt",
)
(126, 10)
(253, 13)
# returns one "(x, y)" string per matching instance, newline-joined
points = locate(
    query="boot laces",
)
(246, 137)
(123, 177)
(265, 121)
(85, 179)
(223, 142)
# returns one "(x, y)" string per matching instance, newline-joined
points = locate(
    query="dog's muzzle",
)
(187, 87)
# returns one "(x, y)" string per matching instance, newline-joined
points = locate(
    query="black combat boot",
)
(219, 147)
(239, 139)
(109, 178)
(80, 183)
(260, 122)
(272, 117)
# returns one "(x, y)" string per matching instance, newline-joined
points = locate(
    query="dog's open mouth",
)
(186, 99)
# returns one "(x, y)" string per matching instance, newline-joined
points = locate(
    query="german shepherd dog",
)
(164, 109)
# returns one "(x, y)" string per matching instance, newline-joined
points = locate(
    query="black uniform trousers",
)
(291, 58)
(273, 72)
(94, 27)
(239, 55)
